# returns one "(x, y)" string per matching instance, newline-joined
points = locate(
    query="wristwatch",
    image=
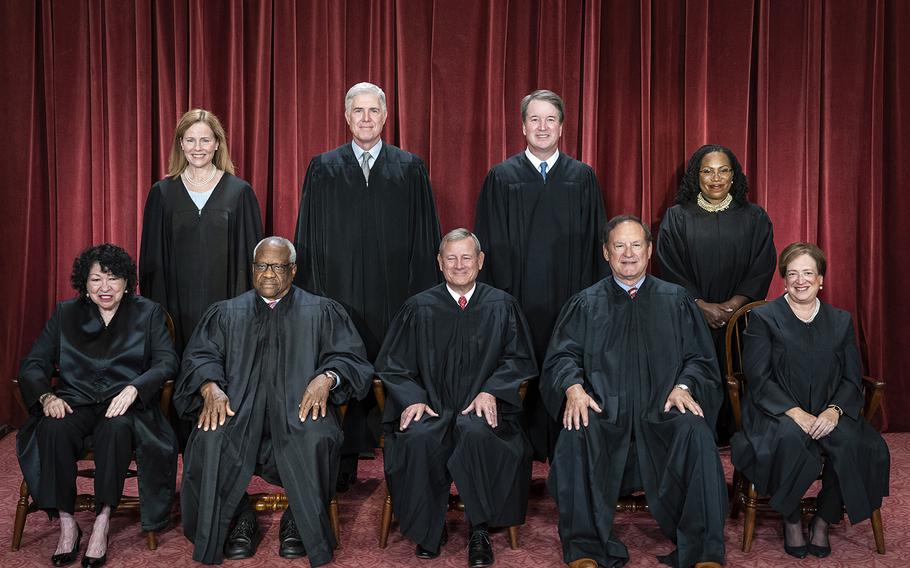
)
(839, 410)
(682, 387)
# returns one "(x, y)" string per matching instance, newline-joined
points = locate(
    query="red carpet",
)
(360, 508)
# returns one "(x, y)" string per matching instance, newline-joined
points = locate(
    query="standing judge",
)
(452, 364)
(257, 376)
(367, 232)
(199, 227)
(804, 399)
(718, 246)
(631, 374)
(539, 215)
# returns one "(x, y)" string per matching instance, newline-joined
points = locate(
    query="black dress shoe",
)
(68, 557)
(289, 543)
(425, 554)
(794, 551)
(480, 551)
(89, 562)
(244, 539)
(815, 549)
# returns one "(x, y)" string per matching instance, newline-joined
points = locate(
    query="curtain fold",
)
(810, 94)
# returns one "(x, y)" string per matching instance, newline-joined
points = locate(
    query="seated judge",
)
(114, 353)
(258, 377)
(631, 374)
(803, 399)
(452, 364)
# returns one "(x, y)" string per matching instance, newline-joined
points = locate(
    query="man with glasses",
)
(257, 378)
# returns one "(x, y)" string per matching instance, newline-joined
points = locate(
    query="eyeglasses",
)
(276, 268)
(806, 274)
(720, 172)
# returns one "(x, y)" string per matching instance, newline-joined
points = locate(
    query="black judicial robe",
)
(542, 243)
(96, 363)
(264, 359)
(628, 355)
(188, 259)
(369, 248)
(439, 355)
(789, 363)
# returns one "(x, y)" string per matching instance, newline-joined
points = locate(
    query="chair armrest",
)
(735, 384)
(873, 390)
(523, 390)
(379, 393)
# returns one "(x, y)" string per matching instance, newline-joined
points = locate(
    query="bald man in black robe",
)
(452, 365)
(631, 374)
(257, 376)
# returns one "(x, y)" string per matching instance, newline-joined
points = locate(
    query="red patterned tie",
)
(632, 292)
(462, 302)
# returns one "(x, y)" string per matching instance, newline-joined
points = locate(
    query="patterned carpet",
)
(360, 509)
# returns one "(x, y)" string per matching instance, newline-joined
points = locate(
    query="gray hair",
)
(619, 219)
(278, 241)
(459, 235)
(363, 89)
(546, 96)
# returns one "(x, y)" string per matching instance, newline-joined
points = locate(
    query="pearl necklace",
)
(186, 177)
(712, 208)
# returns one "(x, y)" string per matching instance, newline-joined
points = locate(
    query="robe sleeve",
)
(425, 232)
(564, 364)
(247, 233)
(342, 351)
(763, 260)
(152, 251)
(162, 363)
(672, 252)
(516, 363)
(491, 227)
(758, 368)
(848, 394)
(699, 370)
(203, 361)
(38, 366)
(309, 227)
(398, 364)
(599, 268)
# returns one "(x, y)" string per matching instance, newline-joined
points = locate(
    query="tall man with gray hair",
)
(367, 232)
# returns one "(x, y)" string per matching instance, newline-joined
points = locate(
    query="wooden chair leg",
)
(385, 524)
(21, 514)
(749, 522)
(336, 523)
(151, 540)
(878, 531)
(735, 502)
(513, 537)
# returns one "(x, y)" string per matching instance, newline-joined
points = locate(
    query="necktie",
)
(632, 292)
(365, 166)
(462, 302)
(272, 304)
(543, 170)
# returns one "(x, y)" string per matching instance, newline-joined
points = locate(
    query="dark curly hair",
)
(112, 259)
(689, 187)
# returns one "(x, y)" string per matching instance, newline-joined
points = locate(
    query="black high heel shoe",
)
(795, 551)
(91, 562)
(68, 557)
(814, 549)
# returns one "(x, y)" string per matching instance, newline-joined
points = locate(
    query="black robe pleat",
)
(369, 248)
(441, 356)
(189, 260)
(629, 354)
(96, 363)
(542, 243)
(264, 359)
(789, 363)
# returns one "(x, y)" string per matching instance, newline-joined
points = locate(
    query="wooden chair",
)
(86, 501)
(279, 501)
(455, 503)
(744, 493)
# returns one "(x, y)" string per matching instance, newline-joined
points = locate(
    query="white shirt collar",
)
(267, 301)
(535, 161)
(374, 151)
(626, 287)
(455, 295)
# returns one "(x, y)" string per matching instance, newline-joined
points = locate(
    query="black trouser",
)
(61, 442)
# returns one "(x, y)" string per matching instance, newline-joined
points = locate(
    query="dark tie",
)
(462, 302)
(272, 304)
(543, 170)
(632, 292)
(365, 166)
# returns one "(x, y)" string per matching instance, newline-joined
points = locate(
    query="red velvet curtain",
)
(808, 94)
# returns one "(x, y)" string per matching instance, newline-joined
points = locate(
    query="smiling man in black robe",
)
(367, 232)
(452, 364)
(539, 215)
(257, 376)
(631, 373)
